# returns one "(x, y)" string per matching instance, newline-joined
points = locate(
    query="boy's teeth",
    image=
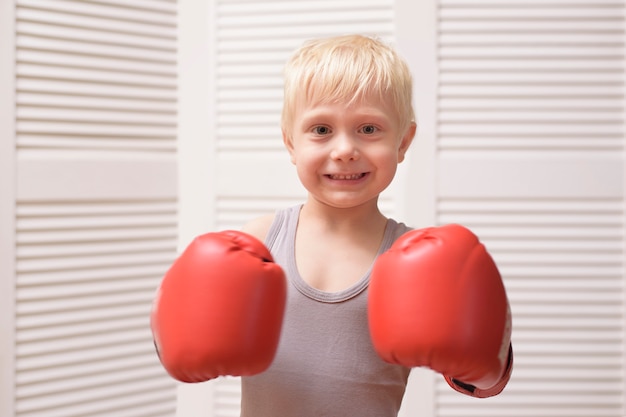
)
(346, 177)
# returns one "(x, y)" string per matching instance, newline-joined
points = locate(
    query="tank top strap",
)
(281, 234)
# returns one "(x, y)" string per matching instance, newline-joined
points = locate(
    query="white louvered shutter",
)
(96, 90)
(530, 155)
(254, 174)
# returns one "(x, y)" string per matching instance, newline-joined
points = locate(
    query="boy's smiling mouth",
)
(346, 177)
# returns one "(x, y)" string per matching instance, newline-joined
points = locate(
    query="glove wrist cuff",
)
(473, 391)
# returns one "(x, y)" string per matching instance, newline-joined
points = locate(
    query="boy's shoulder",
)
(259, 226)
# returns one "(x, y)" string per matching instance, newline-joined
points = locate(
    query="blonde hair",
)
(347, 68)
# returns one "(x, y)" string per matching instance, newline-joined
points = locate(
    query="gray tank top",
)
(326, 365)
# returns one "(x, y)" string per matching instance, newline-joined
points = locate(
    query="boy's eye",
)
(321, 130)
(369, 129)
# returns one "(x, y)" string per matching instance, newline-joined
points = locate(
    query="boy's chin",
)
(344, 203)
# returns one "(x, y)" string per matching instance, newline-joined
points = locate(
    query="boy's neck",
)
(343, 218)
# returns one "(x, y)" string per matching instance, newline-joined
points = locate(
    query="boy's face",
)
(346, 156)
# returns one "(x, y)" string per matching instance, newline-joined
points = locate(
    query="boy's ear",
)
(406, 141)
(288, 141)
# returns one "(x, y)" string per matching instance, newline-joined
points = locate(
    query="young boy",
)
(367, 298)
(347, 122)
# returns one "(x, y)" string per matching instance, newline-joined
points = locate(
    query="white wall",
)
(7, 208)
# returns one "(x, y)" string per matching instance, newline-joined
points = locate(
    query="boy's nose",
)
(344, 148)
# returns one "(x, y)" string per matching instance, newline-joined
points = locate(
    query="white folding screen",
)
(96, 204)
(530, 154)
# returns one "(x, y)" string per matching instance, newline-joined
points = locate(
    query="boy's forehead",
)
(348, 97)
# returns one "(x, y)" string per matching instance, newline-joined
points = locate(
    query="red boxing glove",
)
(436, 299)
(219, 309)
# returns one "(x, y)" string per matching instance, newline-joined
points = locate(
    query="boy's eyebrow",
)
(330, 117)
